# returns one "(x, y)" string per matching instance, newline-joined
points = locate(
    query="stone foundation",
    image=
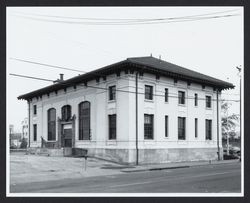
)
(128, 156)
(150, 156)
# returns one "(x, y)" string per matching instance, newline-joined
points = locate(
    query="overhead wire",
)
(127, 23)
(117, 90)
(125, 19)
(70, 69)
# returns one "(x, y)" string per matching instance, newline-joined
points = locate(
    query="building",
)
(25, 128)
(15, 140)
(141, 109)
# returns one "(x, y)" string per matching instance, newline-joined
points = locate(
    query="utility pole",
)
(239, 74)
(136, 117)
(227, 134)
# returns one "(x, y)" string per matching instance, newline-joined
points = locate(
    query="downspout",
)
(136, 117)
(29, 121)
(218, 139)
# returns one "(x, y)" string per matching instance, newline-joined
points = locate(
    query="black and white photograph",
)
(125, 101)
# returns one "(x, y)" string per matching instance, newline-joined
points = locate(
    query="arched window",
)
(52, 124)
(84, 120)
(66, 112)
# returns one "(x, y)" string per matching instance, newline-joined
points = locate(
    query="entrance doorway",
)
(67, 135)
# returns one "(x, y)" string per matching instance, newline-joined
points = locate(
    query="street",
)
(223, 178)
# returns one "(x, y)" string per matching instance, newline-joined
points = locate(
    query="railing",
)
(49, 144)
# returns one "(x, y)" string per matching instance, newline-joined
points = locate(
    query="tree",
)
(228, 122)
(23, 144)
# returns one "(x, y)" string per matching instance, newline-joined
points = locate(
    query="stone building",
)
(141, 109)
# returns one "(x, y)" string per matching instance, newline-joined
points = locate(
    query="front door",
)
(67, 135)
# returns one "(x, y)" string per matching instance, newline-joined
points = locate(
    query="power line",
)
(127, 23)
(30, 77)
(60, 67)
(126, 19)
(43, 64)
(103, 88)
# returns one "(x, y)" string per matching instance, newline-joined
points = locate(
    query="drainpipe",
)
(136, 117)
(218, 139)
(29, 121)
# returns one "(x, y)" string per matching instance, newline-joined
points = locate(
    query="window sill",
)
(182, 141)
(182, 105)
(148, 100)
(208, 108)
(111, 101)
(111, 142)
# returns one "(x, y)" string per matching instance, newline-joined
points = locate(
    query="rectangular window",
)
(34, 109)
(166, 95)
(181, 128)
(148, 126)
(35, 132)
(166, 126)
(196, 127)
(112, 127)
(181, 96)
(208, 129)
(148, 92)
(196, 99)
(112, 93)
(208, 101)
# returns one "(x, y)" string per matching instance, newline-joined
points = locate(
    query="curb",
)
(176, 167)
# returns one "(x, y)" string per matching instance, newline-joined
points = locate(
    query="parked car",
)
(234, 153)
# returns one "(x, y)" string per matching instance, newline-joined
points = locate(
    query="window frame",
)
(208, 101)
(66, 112)
(149, 95)
(181, 98)
(166, 95)
(112, 126)
(195, 99)
(181, 131)
(112, 93)
(51, 124)
(208, 129)
(196, 127)
(82, 118)
(34, 132)
(34, 109)
(166, 126)
(149, 127)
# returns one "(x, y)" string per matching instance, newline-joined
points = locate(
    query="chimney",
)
(61, 77)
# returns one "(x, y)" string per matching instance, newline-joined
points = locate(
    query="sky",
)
(80, 38)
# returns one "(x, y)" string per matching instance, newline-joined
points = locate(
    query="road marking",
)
(167, 179)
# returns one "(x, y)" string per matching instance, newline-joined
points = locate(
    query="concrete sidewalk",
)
(32, 168)
(153, 167)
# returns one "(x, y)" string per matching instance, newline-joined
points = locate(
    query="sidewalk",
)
(32, 168)
(152, 167)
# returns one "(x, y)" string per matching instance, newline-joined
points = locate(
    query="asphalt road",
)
(204, 179)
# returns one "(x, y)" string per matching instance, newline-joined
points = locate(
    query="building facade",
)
(142, 110)
(25, 128)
